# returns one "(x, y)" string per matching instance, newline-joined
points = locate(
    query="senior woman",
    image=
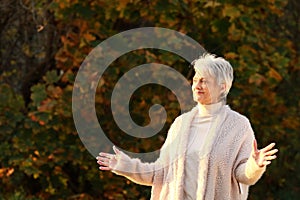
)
(210, 152)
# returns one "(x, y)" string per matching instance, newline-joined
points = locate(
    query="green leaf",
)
(51, 77)
(38, 94)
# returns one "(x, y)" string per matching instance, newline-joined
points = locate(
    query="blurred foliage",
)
(44, 42)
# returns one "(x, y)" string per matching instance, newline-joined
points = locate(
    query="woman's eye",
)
(201, 81)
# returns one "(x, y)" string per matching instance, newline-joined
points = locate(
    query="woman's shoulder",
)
(185, 115)
(237, 117)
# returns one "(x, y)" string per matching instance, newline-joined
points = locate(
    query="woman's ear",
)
(223, 91)
(223, 87)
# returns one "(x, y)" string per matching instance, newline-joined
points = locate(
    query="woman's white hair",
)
(217, 67)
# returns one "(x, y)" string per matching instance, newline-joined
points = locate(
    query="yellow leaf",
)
(211, 4)
(26, 50)
(231, 11)
(235, 34)
(35, 175)
(122, 4)
(276, 10)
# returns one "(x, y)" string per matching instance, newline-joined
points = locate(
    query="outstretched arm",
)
(251, 171)
(132, 168)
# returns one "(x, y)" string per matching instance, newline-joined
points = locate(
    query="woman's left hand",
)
(263, 156)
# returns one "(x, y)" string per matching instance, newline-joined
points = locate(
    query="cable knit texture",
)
(226, 168)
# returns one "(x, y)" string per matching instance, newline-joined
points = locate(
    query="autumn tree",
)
(43, 44)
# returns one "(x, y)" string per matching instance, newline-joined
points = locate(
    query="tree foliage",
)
(43, 44)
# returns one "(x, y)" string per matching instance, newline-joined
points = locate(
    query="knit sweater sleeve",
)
(247, 171)
(134, 169)
(142, 172)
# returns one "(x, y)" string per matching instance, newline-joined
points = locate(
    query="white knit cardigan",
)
(226, 168)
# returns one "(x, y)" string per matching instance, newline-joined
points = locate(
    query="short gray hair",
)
(217, 67)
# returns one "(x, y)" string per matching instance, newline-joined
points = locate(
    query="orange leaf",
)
(274, 74)
(257, 79)
(89, 37)
(231, 55)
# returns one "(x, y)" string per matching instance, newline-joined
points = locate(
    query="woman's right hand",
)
(106, 160)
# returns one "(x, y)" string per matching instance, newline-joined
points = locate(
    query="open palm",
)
(263, 156)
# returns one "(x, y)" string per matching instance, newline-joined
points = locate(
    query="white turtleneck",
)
(199, 129)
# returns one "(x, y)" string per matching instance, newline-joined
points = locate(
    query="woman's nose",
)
(199, 85)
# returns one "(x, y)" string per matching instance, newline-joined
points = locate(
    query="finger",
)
(103, 160)
(104, 154)
(104, 168)
(117, 151)
(100, 157)
(268, 148)
(105, 164)
(270, 153)
(254, 146)
(271, 157)
(265, 163)
(107, 155)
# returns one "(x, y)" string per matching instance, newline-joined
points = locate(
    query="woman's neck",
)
(210, 109)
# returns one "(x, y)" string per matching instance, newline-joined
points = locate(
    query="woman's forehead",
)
(202, 74)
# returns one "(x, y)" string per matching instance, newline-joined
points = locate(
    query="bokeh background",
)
(43, 43)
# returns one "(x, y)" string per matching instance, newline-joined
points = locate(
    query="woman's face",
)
(205, 88)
